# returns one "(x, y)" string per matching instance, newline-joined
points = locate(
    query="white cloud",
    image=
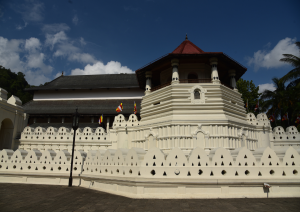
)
(267, 86)
(112, 67)
(34, 78)
(82, 57)
(75, 20)
(37, 61)
(29, 56)
(57, 75)
(82, 41)
(66, 48)
(25, 56)
(31, 10)
(54, 28)
(270, 59)
(52, 39)
(32, 44)
(20, 27)
(9, 54)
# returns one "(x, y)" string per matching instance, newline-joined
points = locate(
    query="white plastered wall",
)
(12, 120)
(153, 174)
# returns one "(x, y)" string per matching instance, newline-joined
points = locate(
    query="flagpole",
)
(247, 107)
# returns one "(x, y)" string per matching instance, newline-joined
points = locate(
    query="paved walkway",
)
(38, 198)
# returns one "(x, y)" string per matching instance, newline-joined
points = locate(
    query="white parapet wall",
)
(137, 173)
(131, 132)
(62, 138)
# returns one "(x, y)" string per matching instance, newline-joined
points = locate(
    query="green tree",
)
(14, 84)
(293, 87)
(295, 62)
(284, 99)
(249, 92)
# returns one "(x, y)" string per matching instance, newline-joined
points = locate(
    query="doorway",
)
(6, 134)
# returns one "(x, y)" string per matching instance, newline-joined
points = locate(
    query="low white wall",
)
(139, 174)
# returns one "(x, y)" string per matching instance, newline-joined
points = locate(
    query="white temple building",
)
(191, 136)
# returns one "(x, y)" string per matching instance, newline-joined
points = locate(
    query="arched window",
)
(192, 76)
(197, 94)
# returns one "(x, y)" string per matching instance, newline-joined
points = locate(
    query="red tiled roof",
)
(187, 47)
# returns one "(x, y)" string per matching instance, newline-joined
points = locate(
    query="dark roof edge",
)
(153, 61)
(39, 87)
(44, 89)
(176, 54)
(235, 61)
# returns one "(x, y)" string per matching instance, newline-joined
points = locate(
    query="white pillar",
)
(92, 119)
(148, 82)
(214, 71)
(107, 124)
(232, 78)
(63, 120)
(175, 75)
(49, 119)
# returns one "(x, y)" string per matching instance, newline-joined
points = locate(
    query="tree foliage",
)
(282, 100)
(249, 92)
(286, 97)
(15, 84)
(295, 62)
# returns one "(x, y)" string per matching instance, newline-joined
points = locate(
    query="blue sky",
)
(44, 38)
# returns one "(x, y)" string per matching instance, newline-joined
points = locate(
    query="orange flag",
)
(134, 109)
(119, 108)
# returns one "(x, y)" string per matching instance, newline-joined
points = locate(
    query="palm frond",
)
(298, 44)
(290, 58)
(291, 75)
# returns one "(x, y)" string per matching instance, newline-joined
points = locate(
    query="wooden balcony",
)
(188, 81)
(195, 80)
(182, 81)
(160, 86)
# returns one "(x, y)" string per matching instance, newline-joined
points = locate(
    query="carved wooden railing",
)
(160, 86)
(188, 81)
(195, 80)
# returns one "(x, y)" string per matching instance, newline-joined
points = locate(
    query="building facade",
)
(186, 99)
(191, 136)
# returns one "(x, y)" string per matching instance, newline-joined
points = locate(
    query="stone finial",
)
(14, 100)
(186, 37)
(3, 95)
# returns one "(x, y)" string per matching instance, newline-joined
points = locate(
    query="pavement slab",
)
(45, 198)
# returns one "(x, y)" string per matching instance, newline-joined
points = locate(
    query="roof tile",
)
(187, 47)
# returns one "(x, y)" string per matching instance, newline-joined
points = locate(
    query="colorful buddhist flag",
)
(134, 108)
(297, 120)
(257, 105)
(120, 108)
(285, 117)
(101, 119)
(272, 117)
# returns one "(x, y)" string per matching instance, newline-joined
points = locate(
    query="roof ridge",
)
(51, 81)
(183, 48)
(195, 46)
(27, 103)
(96, 74)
